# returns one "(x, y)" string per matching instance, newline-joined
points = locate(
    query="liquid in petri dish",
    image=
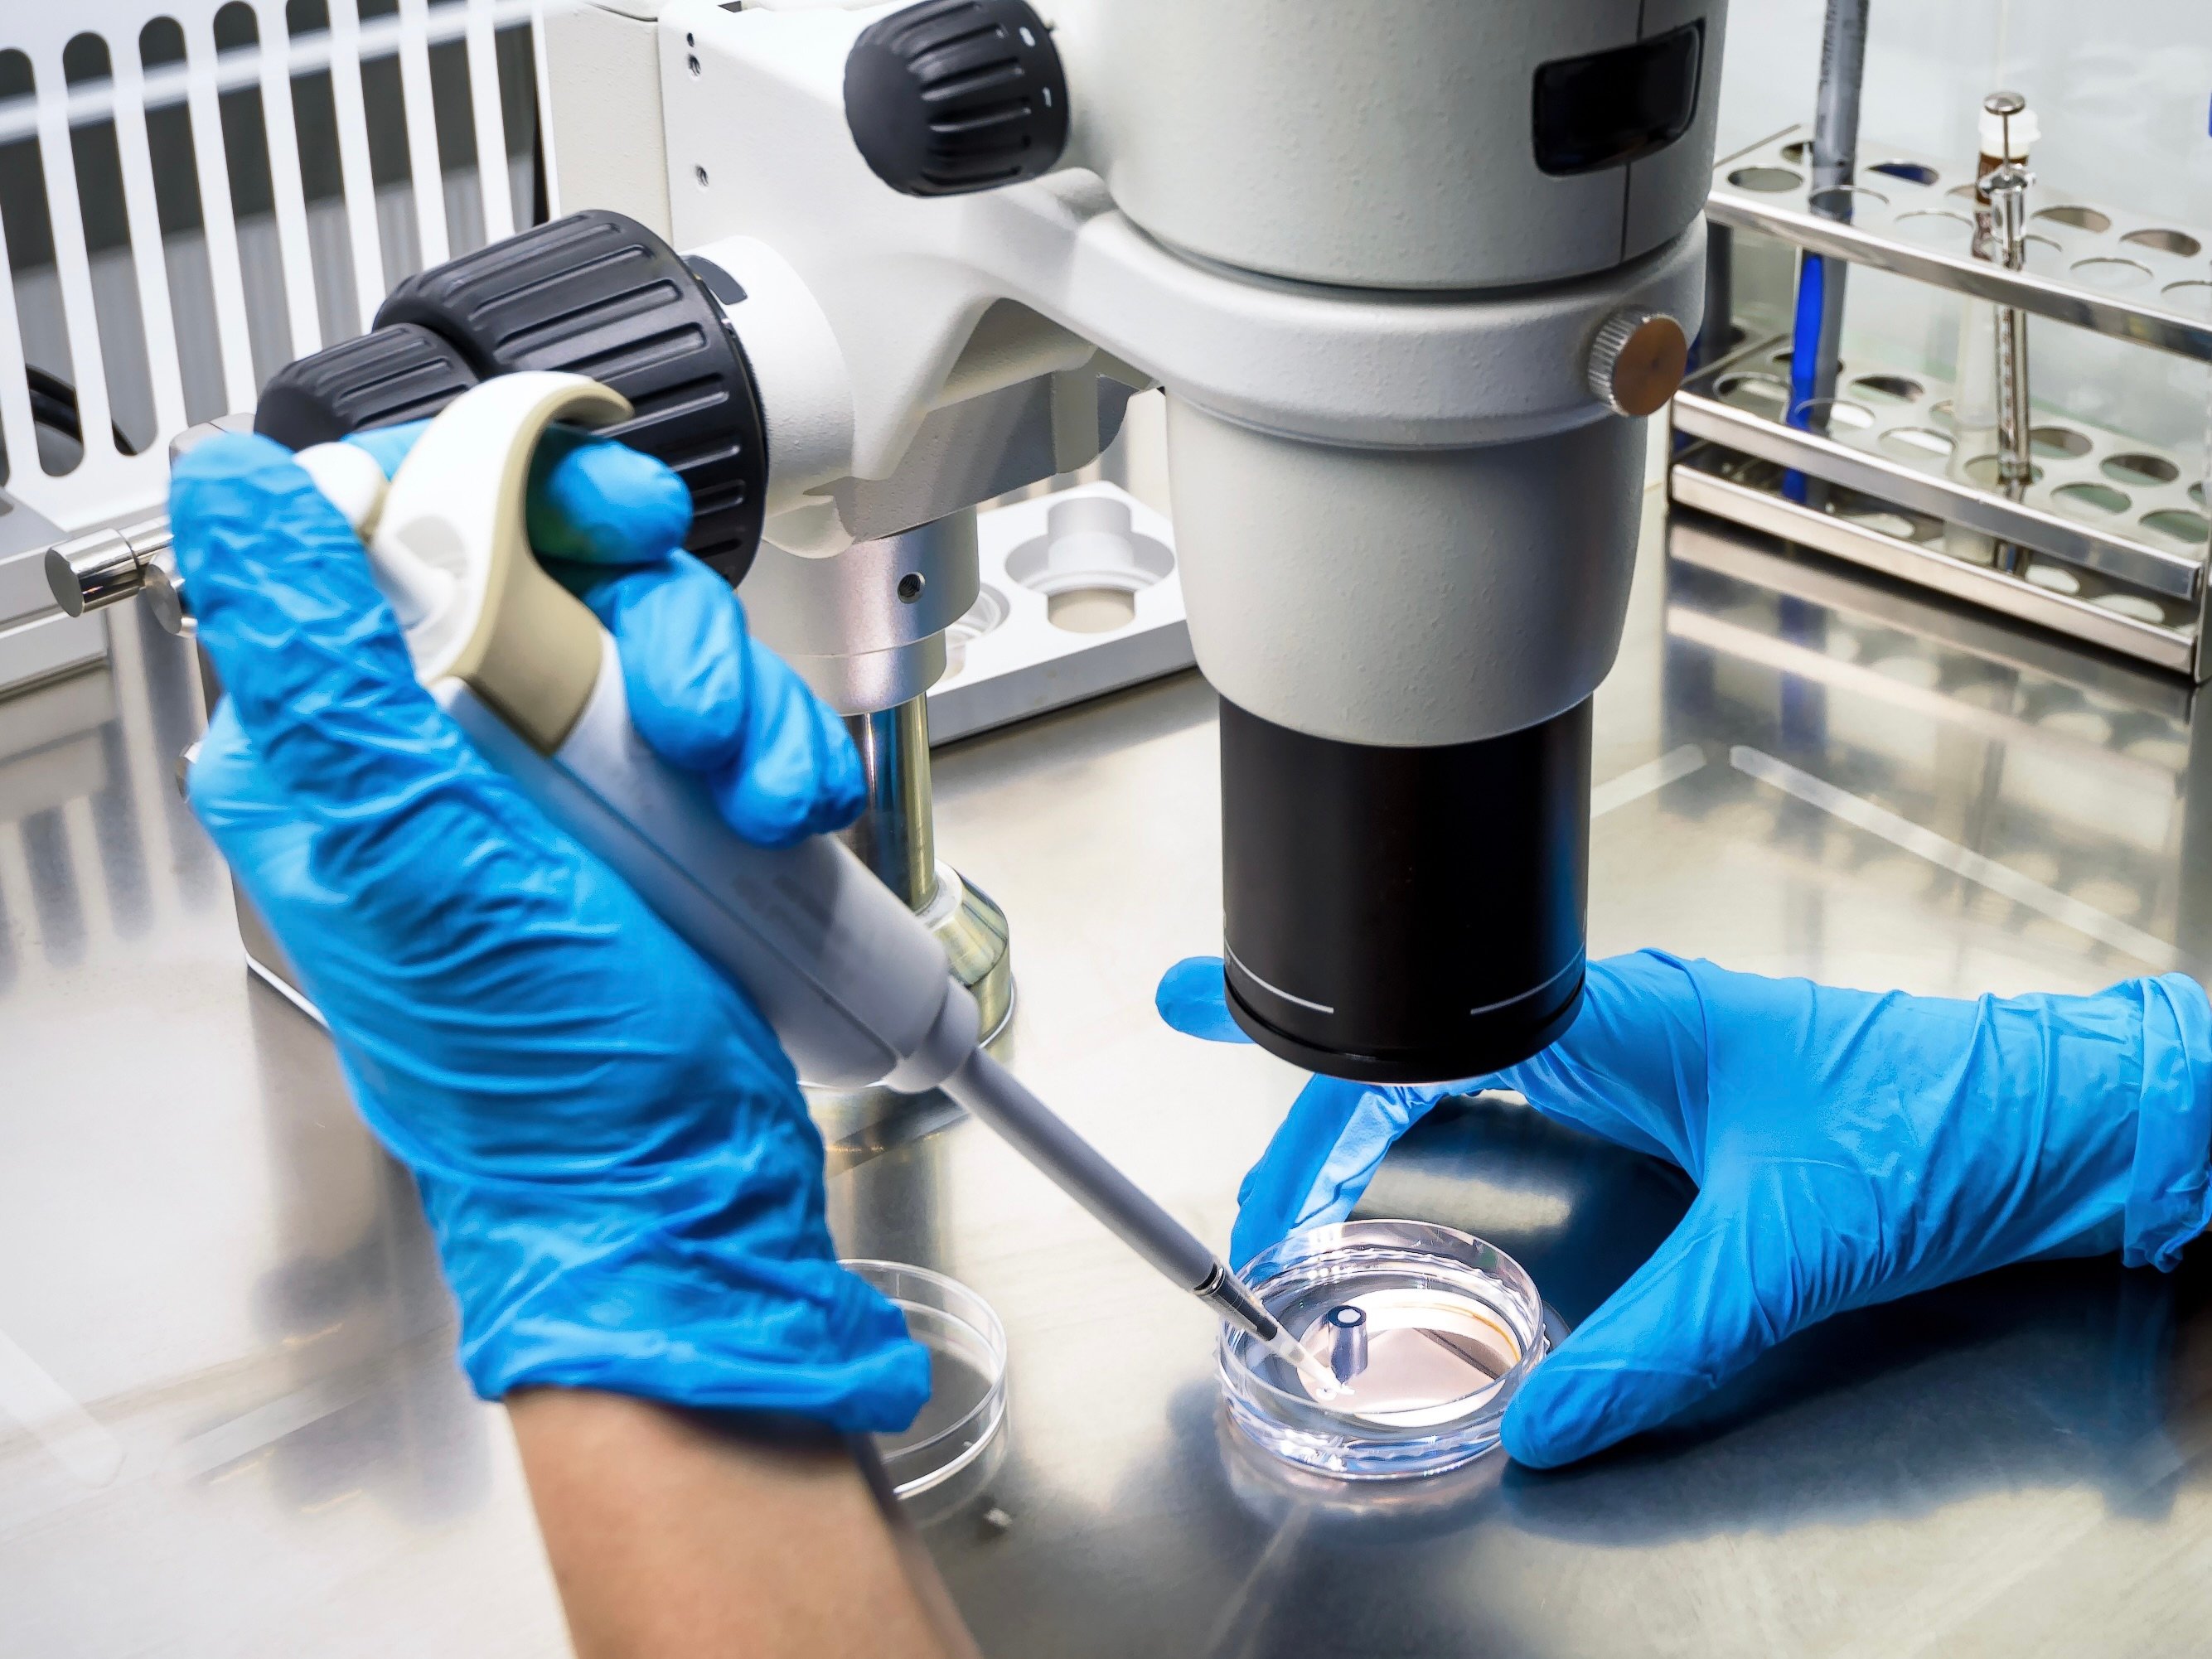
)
(1425, 1355)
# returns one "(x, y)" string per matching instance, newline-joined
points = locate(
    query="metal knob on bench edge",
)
(101, 567)
(104, 565)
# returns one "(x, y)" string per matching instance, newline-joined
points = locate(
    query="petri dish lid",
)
(967, 1399)
(1431, 1332)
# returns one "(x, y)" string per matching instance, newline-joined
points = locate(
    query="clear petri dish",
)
(967, 1399)
(1430, 1331)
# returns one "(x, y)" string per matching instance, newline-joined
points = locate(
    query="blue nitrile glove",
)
(609, 1144)
(1848, 1147)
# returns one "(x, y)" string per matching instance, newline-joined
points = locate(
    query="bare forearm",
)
(672, 1537)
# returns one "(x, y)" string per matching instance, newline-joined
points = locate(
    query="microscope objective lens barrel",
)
(1404, 915)
(1405, 644)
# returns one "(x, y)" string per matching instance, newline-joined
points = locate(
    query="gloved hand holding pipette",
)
(611, 1149)
(611, 1146)
(506, 848)
(1849, 1148)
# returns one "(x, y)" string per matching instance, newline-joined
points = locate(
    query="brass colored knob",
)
(1637, 360)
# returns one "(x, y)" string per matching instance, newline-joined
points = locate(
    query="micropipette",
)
(856, 988)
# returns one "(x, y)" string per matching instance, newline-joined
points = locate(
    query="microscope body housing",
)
(1372, 253)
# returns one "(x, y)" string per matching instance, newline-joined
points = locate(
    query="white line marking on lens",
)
(1318, 1008)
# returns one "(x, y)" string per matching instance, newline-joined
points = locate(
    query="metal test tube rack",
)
(2130, 581)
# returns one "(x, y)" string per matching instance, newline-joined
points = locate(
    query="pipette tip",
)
(1319, 1380)
(1236, 1303)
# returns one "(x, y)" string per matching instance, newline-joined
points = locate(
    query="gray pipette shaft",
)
(998, 1097)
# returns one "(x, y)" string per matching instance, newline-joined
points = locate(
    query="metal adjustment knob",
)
(951, 96)
(1637, 360)
(102, 566)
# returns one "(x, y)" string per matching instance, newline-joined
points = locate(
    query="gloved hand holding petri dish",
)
(1849, 1147)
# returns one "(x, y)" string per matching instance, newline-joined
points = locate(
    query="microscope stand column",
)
(865, 627)
(896, 837)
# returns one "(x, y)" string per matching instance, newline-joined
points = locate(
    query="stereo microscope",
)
(1406, 273)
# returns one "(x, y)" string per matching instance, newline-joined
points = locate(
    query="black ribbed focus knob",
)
(598, 294)
(381, 378)
(951, 96)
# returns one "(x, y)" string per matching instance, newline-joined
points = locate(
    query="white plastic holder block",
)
(1052, 573)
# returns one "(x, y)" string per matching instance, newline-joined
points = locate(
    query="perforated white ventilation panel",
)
(196, 191)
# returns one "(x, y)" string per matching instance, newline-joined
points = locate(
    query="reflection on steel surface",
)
(1950, 855)
(1804, 663)
(244, 1435)
(1641, 780)
(63, 1426)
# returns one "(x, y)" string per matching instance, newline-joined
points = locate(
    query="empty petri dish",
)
(1430, 1332)
(967, 1399)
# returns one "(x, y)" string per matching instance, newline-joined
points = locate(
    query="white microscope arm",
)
(1402, 270)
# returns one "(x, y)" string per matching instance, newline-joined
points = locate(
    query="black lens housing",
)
(1405, 914)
